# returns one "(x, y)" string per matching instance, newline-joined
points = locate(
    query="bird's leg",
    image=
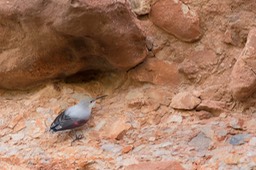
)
(77, 137)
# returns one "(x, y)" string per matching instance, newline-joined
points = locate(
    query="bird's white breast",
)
(79, 112)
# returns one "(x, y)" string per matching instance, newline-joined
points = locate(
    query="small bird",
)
(74, 116)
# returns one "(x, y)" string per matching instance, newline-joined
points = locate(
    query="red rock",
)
(203, 114)
(228, 37)
(176, 18)
(253, 158)
(21, 125)
(159, 95)
(214, 107)
(12, 124)
(117, 129)
(217, 92)
(243, 77)
(61, 43)
(157, 72)
(232, 37)
(164, 165)
(194, 65)
(235, 34)
(127, 149)
(243, 80)
(12, 164)
(203, 59)
(190, 69)
(185, 101)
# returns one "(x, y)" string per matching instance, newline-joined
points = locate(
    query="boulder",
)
(243, 76)
(185, 101)
(177, 19)
(42, 40)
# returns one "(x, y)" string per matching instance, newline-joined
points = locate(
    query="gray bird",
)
(75, 116)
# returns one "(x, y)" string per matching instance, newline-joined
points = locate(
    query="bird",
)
(74, 116)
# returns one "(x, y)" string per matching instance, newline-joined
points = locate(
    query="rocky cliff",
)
(179, 75)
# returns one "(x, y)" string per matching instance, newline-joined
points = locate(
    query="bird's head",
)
(90, 102)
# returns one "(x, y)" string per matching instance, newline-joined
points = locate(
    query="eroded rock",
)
(185, 101)
(157, 72)
(214, 107)
(117, 129)
(53, 39)
(176, 18)
(140, 7)
(200, 142)
(164, 165)
(243, 77)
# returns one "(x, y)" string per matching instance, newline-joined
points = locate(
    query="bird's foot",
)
(77, 138)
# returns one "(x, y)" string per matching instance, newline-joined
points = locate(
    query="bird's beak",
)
(99, 97)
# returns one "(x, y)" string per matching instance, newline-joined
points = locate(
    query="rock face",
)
(165, 165)
(243, 77)
(137, 126)
(49, 39)
(157, 72)
(214, 107)
(176, 18)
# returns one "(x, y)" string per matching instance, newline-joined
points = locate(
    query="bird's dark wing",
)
(64, 122)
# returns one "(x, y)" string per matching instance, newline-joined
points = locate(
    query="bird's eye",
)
(90, 101)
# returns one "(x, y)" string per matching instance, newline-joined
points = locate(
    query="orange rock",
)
(214, 107)
(243, 78)
(21, 125)
(15, 121)
(118, 129)
(232, 159)
(253, 159)
(57, 109)
(127, 149)
(176, 18)
(185, 101)
(163, 165)
(203, 114)
(20, 69)
(157, 72)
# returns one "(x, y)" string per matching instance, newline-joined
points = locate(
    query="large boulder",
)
(177, 19)
(243, 77)
(43, 39)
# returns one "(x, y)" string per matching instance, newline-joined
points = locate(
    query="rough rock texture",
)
(157, 72)
(141, 7)
(176, 18)
(161, 137)
(185, 100)
(52, 39)
(168, 165)
(243, 80)
(136, 124)
(214, 107)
